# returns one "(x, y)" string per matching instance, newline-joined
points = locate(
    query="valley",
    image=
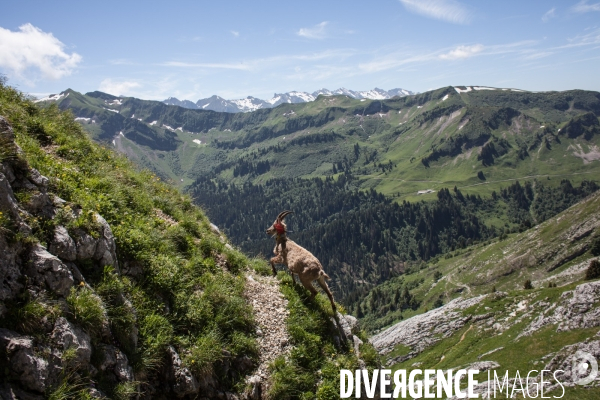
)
(466, 214)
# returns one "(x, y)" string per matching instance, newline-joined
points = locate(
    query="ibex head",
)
(278, 226)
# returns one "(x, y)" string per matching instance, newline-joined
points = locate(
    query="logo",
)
(585, 368)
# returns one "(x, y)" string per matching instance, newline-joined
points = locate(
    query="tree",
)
(481, 176)
(593, 271)
(527, 285)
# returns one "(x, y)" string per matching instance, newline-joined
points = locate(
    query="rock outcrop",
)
(47, 343)
(424, 330)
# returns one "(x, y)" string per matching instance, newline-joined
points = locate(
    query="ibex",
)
(299, 260)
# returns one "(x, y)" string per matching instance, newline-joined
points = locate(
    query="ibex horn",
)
(283, 214)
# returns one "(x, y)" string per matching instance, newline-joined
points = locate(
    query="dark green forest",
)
(363, 238)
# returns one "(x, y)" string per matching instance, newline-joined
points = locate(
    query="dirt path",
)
(450, 280)
(270, 311)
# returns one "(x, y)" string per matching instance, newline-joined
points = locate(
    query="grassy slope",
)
(505, 265)
(183, 297)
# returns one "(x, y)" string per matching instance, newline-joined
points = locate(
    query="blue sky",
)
(194, 49)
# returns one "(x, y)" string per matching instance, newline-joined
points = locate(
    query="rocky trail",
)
(270, 311)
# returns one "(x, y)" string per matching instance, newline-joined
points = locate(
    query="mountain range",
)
(216, 103)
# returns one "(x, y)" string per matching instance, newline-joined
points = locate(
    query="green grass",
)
(180, 298)
(524, 354)
(87, 309)
(312, 369)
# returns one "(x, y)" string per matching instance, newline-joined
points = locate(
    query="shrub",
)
(593, 271)
(437, 275)
(527, 285)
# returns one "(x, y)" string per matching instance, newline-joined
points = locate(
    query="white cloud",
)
(122, 88)
(240, 66)
(266, 63)
(589, 39)
(551, 13)
(446, 10)
(316, 32)
(30, 51)
(235, 33)
(537, 55)
(584, 7)
(462, 52)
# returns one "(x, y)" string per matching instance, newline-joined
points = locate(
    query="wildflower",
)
(82, 283)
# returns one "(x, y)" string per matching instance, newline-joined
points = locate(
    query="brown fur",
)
(301, 262)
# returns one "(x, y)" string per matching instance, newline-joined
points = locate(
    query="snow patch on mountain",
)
(248, 104)
(52, 97)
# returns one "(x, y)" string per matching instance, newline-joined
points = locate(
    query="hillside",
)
(471, 307)
(475, 138)
(114, 285)
(503, 154)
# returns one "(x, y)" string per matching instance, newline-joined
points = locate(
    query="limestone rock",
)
(31, 370)
(10, 272)
(569, 357)
(424, 330)
(8, 202)
(46, 268)
(183, 381)
(86, 245)
(38, 179)
(68, 336)
(62, 245)
(116, 360)
(574, 310)
(106, 249)
(352, 323)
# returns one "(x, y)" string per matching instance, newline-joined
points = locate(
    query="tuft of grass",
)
(126, 391)
(157, 333)
(87, 309)
(260, 266)
(204, 352)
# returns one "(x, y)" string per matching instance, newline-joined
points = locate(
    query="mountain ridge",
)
(250, 103)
